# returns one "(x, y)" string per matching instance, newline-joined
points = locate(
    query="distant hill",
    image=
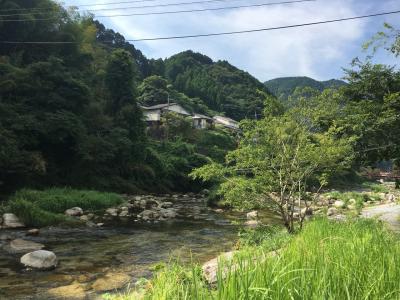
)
(221, 86)
(285, 86)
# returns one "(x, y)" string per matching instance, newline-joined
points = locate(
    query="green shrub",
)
(376, 187)
(32, 215)
(57, 200)
(43, 208)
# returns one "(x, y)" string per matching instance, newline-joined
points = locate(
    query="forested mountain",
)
(221, 86)
(69, 112)
(285, 86)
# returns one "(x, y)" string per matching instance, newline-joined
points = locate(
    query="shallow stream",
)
(85, 254)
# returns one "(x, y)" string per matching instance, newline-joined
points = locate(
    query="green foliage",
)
(286, 86)
(269, 237)
(279, 159)
(327, 260)
(220, 85)
(43, 208)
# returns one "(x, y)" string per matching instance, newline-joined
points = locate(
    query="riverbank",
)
(337, 256)
(353, 259)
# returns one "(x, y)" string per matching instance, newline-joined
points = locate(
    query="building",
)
(202, 121)
(226, 122)
(153, 113)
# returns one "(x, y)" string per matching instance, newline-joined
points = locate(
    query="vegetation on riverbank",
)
(47, 207)
(356, 259)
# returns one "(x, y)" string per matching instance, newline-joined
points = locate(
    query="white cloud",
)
(316, 51)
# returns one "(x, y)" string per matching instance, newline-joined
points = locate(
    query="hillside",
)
(219, 85)
(285, 86)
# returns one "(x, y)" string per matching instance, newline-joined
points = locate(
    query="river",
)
(120, 247)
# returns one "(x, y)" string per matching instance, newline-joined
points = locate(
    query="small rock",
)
(168, 213)
(22, 246)
(124, 213)
(306, 211)
(390, 197)
(166, 205)
(252, 223)
(339, 204)
(40, 259)
(219, 210)
(100, 224)
(253, 215)
(112, 212)
(84, 218)
(111, 281)
(124, 208)
(74, 212)
(33, 231)
(11, 221)
(72, 291)
(331, 211)
(138, 198)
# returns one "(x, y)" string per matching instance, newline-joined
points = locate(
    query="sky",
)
(320, 51)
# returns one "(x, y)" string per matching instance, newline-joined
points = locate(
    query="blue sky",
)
(317, 51)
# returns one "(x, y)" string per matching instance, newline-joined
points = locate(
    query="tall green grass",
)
(43, 208)
(327, 260)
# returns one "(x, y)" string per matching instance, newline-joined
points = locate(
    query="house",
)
(226, 122)
(202, 121)
(153, 113)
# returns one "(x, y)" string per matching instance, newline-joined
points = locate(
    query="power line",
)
(265, 29)
(80, 5)
(174, 12)
(39, 10)
(221, 33)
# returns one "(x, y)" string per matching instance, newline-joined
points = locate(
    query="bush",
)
(43, 208)
(32, 215)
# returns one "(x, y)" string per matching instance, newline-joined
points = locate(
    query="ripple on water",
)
(86, 254)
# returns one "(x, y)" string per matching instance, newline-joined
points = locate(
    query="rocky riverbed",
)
(125, 248)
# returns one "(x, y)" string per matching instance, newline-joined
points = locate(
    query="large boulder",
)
(11, 221)
(40, 259)
(253, 215)
(22, 246)
(74, 212)
(111, 281)
(210, 268)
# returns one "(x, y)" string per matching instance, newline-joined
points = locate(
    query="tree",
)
(278, 162)
(119, 79)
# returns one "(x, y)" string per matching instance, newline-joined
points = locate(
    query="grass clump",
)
(376, 187)
(47, 207)
(356, 259)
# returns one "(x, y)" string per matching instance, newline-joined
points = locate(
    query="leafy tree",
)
(278, 161)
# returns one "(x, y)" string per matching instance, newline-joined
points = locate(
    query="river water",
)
(124, 247)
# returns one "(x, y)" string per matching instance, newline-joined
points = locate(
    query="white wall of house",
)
(152, 115)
